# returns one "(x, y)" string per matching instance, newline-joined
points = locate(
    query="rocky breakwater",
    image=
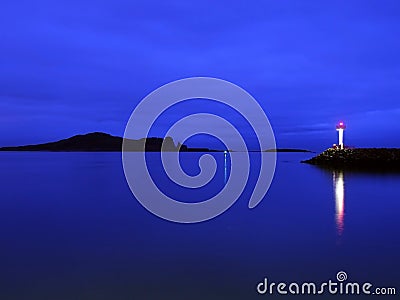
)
(358, 158)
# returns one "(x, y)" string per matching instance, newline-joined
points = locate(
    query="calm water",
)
(71, 229)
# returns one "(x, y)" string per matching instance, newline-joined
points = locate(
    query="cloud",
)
(93, 61)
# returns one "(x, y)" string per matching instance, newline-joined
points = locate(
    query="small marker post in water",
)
(225, 167)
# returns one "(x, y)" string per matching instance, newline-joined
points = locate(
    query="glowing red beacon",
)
(341, 125)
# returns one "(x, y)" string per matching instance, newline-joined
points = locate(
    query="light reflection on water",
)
(338, 185)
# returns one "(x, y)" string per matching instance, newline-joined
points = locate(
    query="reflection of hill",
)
(99, 141)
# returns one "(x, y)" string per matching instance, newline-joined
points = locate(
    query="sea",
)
(70, 228)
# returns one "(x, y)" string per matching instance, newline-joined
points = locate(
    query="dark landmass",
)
(89, 142)
(286, 150)
(103, 142)
(358, 159)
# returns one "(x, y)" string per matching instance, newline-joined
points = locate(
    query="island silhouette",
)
(104, 142)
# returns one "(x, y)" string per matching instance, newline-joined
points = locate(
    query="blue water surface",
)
(71, 229)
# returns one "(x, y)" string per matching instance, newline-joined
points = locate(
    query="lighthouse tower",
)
(340, 128)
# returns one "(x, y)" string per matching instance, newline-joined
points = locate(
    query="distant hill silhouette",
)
(99, 141)
(104, 142)
(286, 150)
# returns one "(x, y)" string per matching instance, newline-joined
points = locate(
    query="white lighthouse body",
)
(340, 128)
(341, 138)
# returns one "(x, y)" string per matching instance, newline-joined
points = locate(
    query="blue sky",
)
(70, 67)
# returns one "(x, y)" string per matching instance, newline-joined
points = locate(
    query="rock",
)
(360, 158)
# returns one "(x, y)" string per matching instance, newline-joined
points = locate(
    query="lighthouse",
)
(340, 128)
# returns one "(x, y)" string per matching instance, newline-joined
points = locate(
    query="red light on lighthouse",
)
(341, 125)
